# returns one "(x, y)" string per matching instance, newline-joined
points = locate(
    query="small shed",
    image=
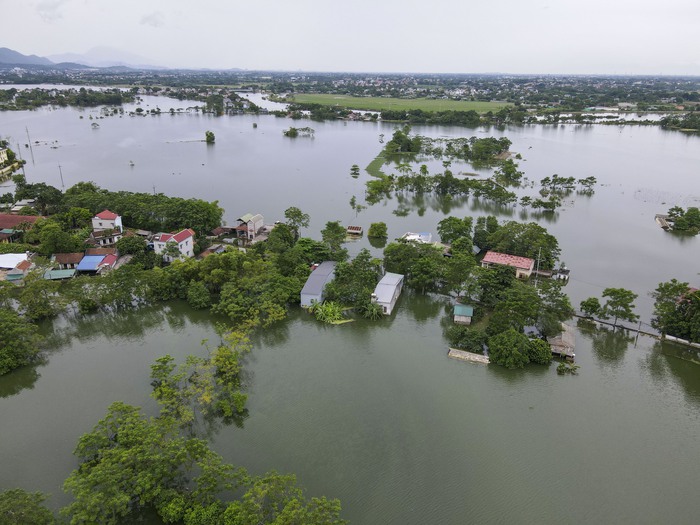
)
(563, 345)
(463, 314)
(313, 289)
(387, 291)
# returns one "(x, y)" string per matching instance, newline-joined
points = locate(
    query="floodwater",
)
(375, 413)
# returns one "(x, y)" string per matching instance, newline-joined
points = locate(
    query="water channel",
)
(375, 413)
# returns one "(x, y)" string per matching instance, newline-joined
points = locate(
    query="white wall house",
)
(183, 240)
(249, 225)
(317, 281)
(107, 220)
(388, 291)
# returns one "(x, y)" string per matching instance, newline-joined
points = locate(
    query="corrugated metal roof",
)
(464, 309)
(90, 263)
(10, 260)
(385, 288)
(246, 217)
(318, 278)
(58, 274)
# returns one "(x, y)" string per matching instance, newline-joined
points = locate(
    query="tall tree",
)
(619, 305)
(334, 237)
(296, 219)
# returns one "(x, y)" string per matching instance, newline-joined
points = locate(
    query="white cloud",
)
(50, 10)
(155, 19)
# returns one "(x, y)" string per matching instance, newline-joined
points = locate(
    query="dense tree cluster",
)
(618, 305)
(677, 310)
(686, 221)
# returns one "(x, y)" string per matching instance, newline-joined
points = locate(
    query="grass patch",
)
(374, 168)
(380, 103)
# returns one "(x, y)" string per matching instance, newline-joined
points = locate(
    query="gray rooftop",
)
(385, 288)
(318, 278)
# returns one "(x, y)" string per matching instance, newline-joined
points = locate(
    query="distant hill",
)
(9, 56)
(106, 57)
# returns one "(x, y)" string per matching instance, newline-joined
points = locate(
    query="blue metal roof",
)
(464, 309)
(89, 263)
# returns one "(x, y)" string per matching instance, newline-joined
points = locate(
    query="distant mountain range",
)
(10, 56)
(101, 57)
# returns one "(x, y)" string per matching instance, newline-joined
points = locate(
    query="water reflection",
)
(514, 377)
(678, 362)
(18, 380)
(129, 325)
(377, 242)
(423, 307)
(608, 345)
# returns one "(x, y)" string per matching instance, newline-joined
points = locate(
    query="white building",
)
(107, 220)
(315, 284)
(249, 225)
(183, 240)
(388, 291)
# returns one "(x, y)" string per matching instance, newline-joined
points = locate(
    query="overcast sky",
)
(443, 36)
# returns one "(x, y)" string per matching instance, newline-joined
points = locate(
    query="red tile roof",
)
(524, 263)
(109, 260)
(107, 215)
(8, 221)
(177, 237)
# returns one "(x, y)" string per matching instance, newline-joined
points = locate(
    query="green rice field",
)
(380, 103)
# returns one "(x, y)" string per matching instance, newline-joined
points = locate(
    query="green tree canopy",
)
(452, 228)
(296, 219)
(334, 237)
(619, 305)
(19, 507)
(19, 341)
(509, 349)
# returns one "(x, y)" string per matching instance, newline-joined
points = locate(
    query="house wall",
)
(254, 227)
(387, 308)
(307, 299)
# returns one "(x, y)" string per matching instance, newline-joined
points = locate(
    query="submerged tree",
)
(619, 305)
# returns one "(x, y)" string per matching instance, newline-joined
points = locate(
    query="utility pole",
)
(537, 269)
(30, 144)
(63, 186)
(21, 163)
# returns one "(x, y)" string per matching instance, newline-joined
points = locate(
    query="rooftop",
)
(107, 215)
(68, 258)
(384, 290)
(177, 237)
(464, 309)
(90, 263)
(318, 278)
(8, 220)
(509, 260)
